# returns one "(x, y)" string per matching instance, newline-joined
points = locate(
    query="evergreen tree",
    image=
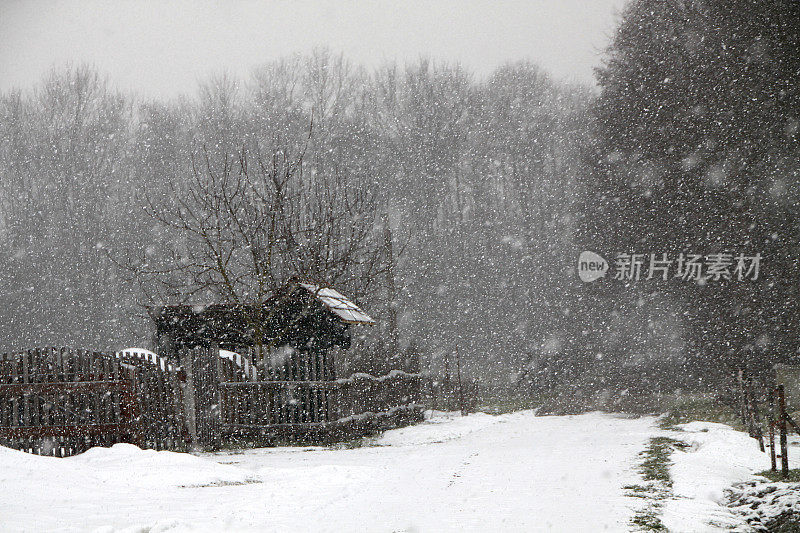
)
(698, 151)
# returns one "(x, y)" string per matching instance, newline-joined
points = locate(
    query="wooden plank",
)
(247, 405)
(225, 405)
(14, 411)
(205, 369)
(5, 414)
(168, 422)
(61, 365)
(282, 425)
(36, 388)
(15, 371)
(307, 409)
(61, 431)
(95, 400)
(146, 393)
(68, 358)
(253, 405)
(316, 405)
(163, 408)
(271, 405)
(179, 413)
(234, 405)
(258, 402)
(27, 399)
(51, 375)
(105, 399)
(281, 384)
(151, 406)
(26, 366)
(37, 377)
(129, 408)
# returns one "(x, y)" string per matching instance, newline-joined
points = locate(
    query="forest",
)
(451, 207)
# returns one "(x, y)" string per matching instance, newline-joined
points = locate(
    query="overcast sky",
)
(162, 48)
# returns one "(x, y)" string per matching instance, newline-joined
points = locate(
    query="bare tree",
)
(238, 231)
(64, 193)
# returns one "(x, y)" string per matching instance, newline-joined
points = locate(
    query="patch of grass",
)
(642, 491)
(655, 466)
(639, 488)
(703, 408)
(648, 520)
(789, 525)
(654, 469)
(220, 484)
(794, 475)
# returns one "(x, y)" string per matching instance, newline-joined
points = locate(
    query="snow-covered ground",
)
(717, 458)
(514, 472)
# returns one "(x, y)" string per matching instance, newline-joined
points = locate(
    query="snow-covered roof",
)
(339, 304)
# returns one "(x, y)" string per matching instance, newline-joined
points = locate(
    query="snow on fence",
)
(132, 354)
(61, 401)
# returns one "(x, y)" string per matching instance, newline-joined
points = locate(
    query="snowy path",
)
(513, 472)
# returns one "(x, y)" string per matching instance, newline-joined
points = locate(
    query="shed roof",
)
(346, 310)
(341, 306)
(283, 317)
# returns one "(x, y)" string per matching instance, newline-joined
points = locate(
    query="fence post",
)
(187, 395)
(130, 406)
(743, 406)
(202, 398)
(460, 384)
(782, 426)
(755, 417)
(336, 396)
(771, 422)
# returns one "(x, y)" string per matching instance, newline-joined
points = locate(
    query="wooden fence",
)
(365, 403)
(320, 410)
(61, 401)
(160, 423)
(270, 403)
(298, 398)
(447, 394)
(776, 416)
(57, 401)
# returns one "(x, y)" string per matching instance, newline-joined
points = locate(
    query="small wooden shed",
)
(296, 329)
